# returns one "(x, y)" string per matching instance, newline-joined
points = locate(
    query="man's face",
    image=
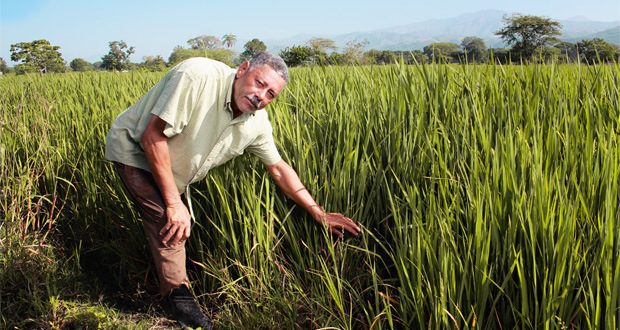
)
(254, 89)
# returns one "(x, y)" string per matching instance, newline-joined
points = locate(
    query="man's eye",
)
(260, 84)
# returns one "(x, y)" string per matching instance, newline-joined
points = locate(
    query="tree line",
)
(531, 39)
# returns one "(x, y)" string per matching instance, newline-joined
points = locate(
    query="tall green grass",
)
(488, 197)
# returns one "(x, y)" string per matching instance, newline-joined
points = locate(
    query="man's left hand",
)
(336, 222)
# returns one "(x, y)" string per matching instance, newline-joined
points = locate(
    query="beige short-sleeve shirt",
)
(194, 100)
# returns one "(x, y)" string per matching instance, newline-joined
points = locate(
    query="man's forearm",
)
(288, 180)
(159, 165)
(155, 145)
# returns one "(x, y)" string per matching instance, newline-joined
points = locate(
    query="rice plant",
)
(488, 195)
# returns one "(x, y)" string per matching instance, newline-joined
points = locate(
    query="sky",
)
(84, 28)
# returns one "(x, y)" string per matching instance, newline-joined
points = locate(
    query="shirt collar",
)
(231, 80)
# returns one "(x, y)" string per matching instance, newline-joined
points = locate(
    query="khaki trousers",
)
(169, 261)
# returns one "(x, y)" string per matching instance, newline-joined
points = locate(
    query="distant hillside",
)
(611, 35)
(482, 24)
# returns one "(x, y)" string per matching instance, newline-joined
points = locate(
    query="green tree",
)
(80, 65)
(3, 67)
(229, 40)
(153, 63)
(474, 48)
(388, 57)
(411, 57)
(38, 55)
(598, 50)
(180, 54)
(527, 34)
(381, 56)
(322, 44)
(443, 51)
(222, 55)
(568, 51)
(297, 55)
(355, 51)
(339, 59)
(546, 55)
(252, 48)
(320, 47)
(501, 55)
(118, 57)
(373, 56)
(204, 42)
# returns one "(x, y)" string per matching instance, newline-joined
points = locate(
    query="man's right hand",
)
(178, 227)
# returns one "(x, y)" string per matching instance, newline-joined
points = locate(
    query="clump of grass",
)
(50, 130)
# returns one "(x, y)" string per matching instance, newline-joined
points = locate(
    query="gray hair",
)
(273, 60)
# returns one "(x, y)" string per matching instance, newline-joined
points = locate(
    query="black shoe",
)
(186, 311)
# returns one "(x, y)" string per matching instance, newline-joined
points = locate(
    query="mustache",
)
(254, 100)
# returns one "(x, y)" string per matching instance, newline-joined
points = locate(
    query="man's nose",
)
(261, 94)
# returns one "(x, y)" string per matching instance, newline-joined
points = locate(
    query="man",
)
(200, 115)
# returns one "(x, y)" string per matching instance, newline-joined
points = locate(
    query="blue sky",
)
(84, 28)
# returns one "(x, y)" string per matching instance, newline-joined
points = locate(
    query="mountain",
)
(579, 30)
(610, 35)
(482, 24)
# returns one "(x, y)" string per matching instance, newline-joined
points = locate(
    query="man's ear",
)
(243, 69)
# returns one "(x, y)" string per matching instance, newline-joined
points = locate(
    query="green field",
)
(488, 197)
